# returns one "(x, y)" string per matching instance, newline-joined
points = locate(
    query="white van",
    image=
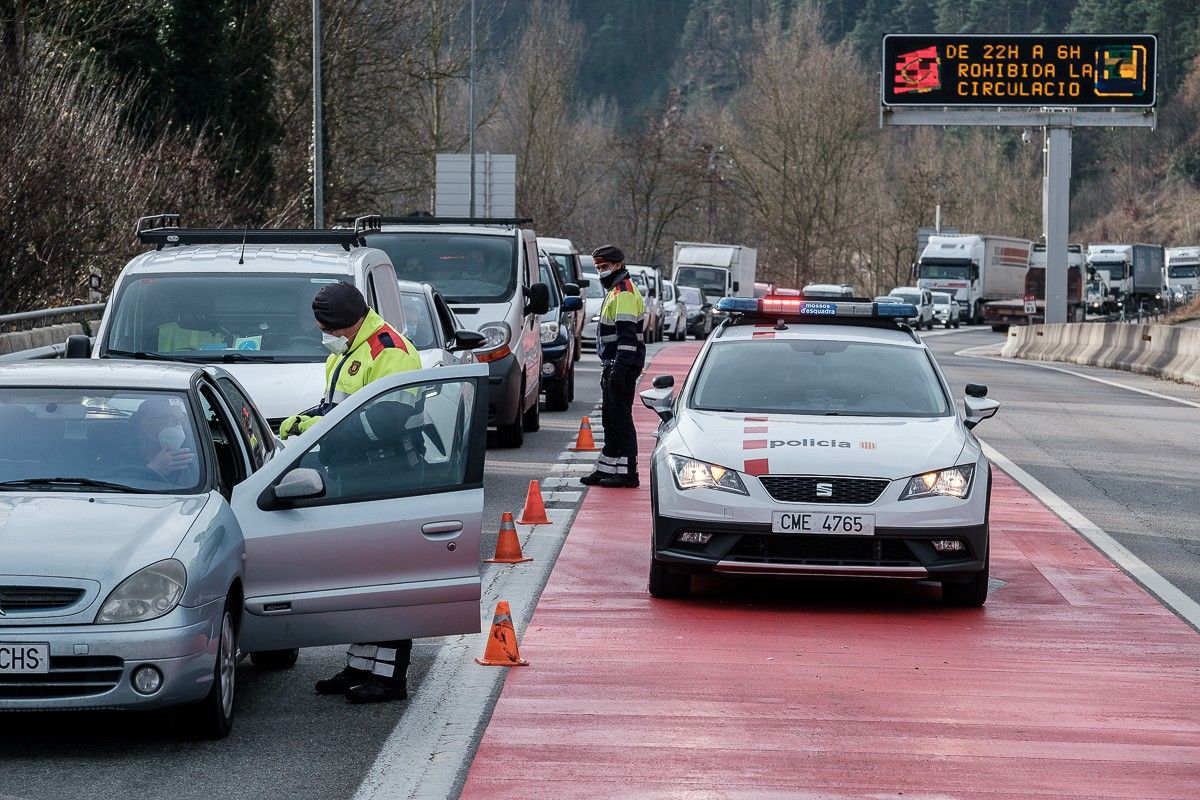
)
(242, 299)
(649, 280)
(488, 272)
(565, 258)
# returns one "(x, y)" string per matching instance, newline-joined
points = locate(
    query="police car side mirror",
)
(979, 409)
(664, 382)
(976, 390)
(660, 401)
(537, 299)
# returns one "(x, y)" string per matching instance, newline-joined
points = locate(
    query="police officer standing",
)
(363, 348)
(622, 351)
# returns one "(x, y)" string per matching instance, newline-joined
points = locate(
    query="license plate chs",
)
(24, 659)
(805, 522)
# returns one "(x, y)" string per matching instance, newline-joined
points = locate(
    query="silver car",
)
(432, 327)
(151, 529)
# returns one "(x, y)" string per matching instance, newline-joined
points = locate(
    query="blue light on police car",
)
(897, 310)
(738, 304)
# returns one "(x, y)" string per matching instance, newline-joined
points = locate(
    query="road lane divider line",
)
(1167, 593)
(1116, 384)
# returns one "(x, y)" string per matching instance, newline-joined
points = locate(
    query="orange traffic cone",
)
(508, 546)
(534, 512)
(584, 441)
(501, 649)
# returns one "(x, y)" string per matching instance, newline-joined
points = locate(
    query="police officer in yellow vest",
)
(363, 348)
(622, 349)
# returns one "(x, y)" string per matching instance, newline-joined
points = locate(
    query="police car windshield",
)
(219, 316)
(88, 440)
(464, 267)
(800, 376)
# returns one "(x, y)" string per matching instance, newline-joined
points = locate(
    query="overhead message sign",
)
(1019, 71)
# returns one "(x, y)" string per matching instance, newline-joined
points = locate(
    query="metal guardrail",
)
(49, 316)
(49, 351)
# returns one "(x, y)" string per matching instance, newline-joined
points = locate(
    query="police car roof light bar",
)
(163, 230)
(784, 306)
(419, 219)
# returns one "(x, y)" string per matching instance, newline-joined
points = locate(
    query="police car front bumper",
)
(740, 539)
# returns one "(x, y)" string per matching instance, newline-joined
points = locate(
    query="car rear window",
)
(834, 378)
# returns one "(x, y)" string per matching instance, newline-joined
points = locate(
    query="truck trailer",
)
(1000, 314)
(1135, 273)
(974, 269)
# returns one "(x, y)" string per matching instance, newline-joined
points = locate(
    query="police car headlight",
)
(147, 594)
(549, 332)
(953, 482)
(692, 474)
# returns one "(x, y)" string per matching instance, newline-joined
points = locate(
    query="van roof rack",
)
(163, 230)
(422, 219)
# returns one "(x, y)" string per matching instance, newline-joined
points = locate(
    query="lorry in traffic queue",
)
(1031, 307)
(717, 270)
(1134, 272)
(1183, 268)
(975, 269)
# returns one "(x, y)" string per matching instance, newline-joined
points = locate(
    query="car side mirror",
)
(653, 292)
(735, 286)
(301, 483)
(583, 282)
(664, 382)
(467, 340)
(976, 390)
(660, 401)
(78, 346)
(537, 299)
(574, 303)
(571, 289)
(979, 409)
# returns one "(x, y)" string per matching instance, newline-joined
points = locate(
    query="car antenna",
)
(242, 255)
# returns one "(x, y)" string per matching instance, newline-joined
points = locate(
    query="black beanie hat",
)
(339, 305)
(609, 252)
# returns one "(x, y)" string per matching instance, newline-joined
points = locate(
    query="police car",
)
(818, 438)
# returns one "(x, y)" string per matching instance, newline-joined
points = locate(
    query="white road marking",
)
(1116, 384)
(1170, 595)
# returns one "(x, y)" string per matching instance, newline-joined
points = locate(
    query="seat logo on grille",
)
(824, 490)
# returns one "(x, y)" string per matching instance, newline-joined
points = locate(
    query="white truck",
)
(1183, 268)
(1135, 272)
(717, 270)
(974, 269)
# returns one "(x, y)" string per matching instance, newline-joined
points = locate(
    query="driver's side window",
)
(414, 440)
(231, 459)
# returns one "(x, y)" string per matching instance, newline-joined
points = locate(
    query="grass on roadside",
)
(1186, 314)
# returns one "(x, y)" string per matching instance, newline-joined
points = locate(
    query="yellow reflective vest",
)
(622, 325)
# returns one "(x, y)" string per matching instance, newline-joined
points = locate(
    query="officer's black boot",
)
(377, 690)
(343, 681)
(629, 481)
(595, 479)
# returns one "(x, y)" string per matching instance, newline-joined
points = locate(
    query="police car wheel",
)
(666, 585)
(971, 593)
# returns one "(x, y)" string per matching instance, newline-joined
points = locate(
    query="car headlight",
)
(496, 335)
(692, 474)
(952, 482)
(549, 332)
(147, 594)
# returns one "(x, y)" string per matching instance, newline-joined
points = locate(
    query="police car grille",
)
(804, 489)
(38, 598)
(69, 676)
(823, 550)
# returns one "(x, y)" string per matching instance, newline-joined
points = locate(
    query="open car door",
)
(367, 526)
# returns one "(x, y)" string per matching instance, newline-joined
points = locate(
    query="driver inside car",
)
(160, 431)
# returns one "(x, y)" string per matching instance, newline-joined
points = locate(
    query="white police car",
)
(819, 439)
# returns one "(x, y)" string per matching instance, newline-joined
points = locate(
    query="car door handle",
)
(442, 530)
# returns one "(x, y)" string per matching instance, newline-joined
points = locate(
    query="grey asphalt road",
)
(1130, 462)
(287, 742)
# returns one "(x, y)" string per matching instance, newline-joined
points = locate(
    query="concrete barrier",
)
(38, 337)
(1167, 351)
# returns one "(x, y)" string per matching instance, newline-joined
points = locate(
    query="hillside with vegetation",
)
(634, 122)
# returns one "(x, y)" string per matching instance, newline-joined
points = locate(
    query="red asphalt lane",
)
(1072, 682)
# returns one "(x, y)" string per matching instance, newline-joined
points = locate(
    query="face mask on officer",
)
(334, 344)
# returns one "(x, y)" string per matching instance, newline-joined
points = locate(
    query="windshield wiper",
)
(88, 483)
(240, 356)
(145, 356)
